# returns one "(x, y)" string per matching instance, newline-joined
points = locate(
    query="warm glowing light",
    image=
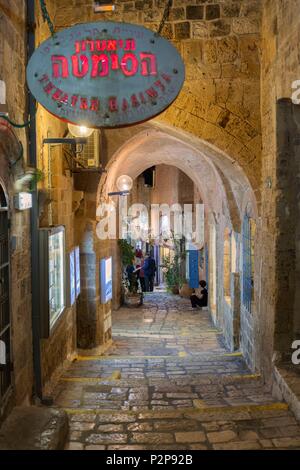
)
(80, 131)
(124, 183)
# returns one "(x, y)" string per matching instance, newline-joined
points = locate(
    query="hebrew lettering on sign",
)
(105, 74)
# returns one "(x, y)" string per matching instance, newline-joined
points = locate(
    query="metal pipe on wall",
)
(34, 217)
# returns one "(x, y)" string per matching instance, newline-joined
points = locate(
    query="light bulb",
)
(80, 131)
(124, 183)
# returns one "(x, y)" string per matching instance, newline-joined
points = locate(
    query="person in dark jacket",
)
(149, 269)
(203, 299)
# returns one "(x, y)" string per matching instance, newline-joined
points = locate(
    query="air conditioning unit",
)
(89, 155)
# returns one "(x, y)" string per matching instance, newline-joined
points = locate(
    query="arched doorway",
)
(5, 327)
(225, 191)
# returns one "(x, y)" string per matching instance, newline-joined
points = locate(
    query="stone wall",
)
(220, 43)
(12, 71)
(219, 103)
(278, 235)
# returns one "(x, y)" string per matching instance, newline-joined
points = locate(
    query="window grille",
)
(248, 262)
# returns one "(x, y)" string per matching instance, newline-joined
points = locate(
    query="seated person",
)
(200, 301)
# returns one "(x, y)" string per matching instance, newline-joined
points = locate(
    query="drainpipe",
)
(34, 218)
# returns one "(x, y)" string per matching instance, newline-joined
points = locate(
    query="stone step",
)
(250, 427)
(34, 428)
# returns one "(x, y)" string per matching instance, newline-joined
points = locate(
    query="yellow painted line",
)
(116, 375)
(240, 408)
(109, 358)
(245, 377)
(235, 354)
(195, 356)
(82, 379)
(201, 408)
(80, 411)
(182, 354)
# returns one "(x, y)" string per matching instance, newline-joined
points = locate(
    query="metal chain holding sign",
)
(165, 16)
(46, 17)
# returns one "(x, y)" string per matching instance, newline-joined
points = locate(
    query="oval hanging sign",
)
(105, 74)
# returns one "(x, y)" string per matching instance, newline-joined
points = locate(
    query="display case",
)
(52, 277)
(106, 280)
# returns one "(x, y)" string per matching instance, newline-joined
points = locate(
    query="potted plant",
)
(172, 268)
(131, 286)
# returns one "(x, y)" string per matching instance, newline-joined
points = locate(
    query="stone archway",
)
(222, 184)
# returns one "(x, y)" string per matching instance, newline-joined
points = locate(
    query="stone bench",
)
(34, 428)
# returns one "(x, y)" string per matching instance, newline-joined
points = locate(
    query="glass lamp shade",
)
(80, 131)
(124, 183)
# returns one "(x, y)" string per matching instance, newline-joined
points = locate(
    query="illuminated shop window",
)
(52, 277)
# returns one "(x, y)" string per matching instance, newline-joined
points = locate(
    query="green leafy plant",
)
(130, 282)
(37, 176)
(127, 252)
(172, 267)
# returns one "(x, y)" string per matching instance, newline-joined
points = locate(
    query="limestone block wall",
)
(220, 44)
(12, 71)
(220, 103)
(58, 187)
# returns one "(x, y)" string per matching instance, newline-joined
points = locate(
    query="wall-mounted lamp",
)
(124, 183)
(80, 131)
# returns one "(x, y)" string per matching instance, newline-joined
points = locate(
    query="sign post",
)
(105, 74)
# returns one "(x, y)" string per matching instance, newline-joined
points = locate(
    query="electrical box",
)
(23, 201)
(3, 105)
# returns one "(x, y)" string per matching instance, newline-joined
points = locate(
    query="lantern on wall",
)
(80, 131)
(124, 183)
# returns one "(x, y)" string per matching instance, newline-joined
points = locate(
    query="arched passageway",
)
(227, 197)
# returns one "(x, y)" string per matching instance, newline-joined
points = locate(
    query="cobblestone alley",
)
(168, 382)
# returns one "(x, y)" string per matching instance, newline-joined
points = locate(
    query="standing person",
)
(202, 300)
(142, 275)
(149, 272)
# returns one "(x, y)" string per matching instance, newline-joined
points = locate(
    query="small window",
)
(103, 5)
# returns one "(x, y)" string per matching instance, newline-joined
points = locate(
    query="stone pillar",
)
(90, 322)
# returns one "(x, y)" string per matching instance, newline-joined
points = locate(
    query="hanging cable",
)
(165, 16)
(46, 17)
(14, 124)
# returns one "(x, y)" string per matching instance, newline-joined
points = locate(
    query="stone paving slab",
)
(170, 384)
(34, 428)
